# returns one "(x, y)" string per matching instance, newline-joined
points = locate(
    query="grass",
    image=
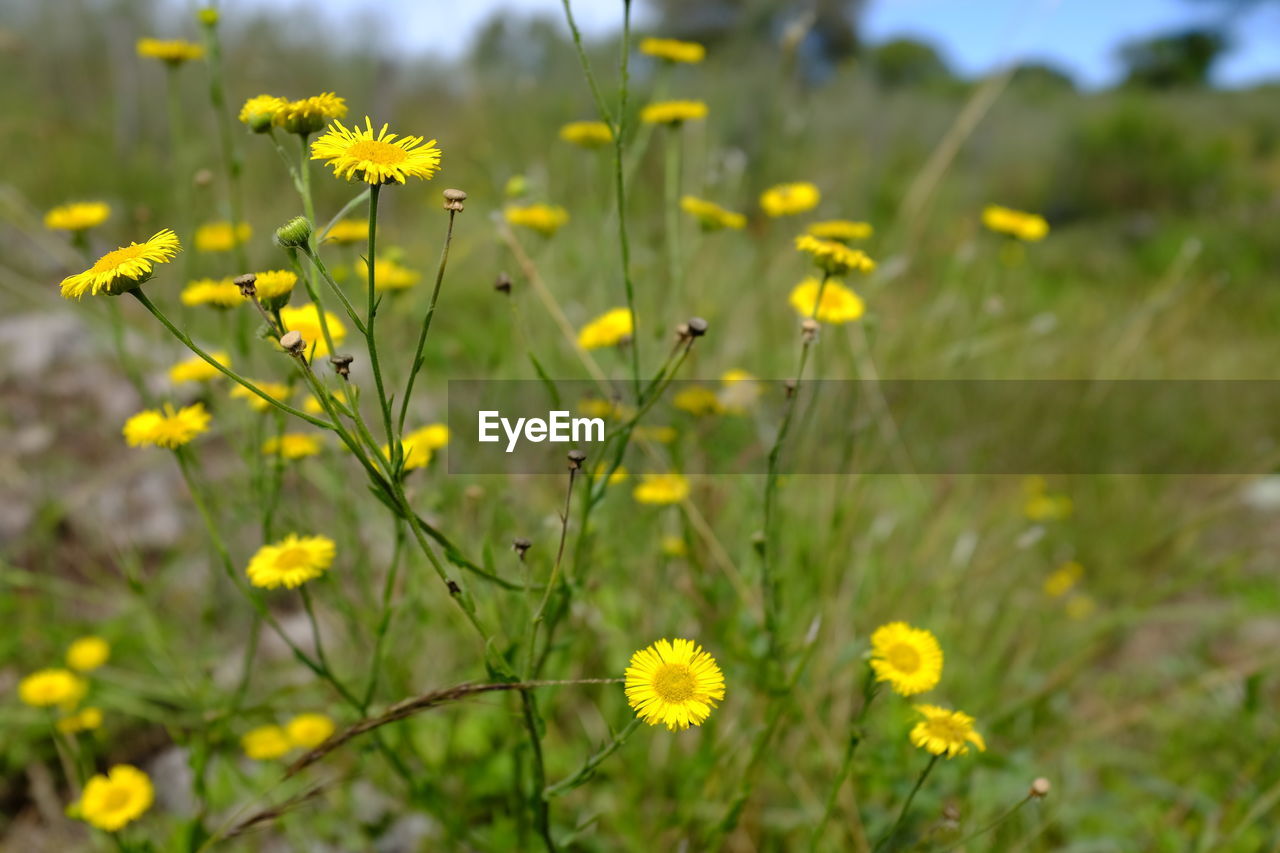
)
(1151, 715)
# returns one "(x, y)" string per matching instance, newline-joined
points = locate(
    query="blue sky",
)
(975, 35)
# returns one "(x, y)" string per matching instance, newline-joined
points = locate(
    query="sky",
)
(975, 35)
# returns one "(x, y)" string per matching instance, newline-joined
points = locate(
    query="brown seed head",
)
(502, 283)
(521, 545)
(697, 326)
(341, 364)
(1040, 788)
(247, 284)
(576, 458)
(809, 329)
(293, 342)
(453, 199)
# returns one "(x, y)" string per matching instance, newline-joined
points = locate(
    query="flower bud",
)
(294, 233)
(293, 342)
(453, 200)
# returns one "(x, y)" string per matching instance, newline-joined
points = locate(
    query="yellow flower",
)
(259, 112)
(711, 215)
(910, 659)
(84, 720)
(673, 113)
(661, 489)
(265, 743)
(657, 433)
(696, 400)
(618, 475)
(420, 444)
(789, 199)
(47, 687)
(843, 230)
(166, 427)
(588, 134)
(1063, 579)
(347, 231)
(275, 390)
(833, 256)
(673, 50)
(1080, 607)
(221, 236)
(1047, 507)
(196, 369)
(674, 546)
(1015, 223)
(216, 293)
(390, 275)
(739, 392)
(174, 52)
(839, 303)
(944, 732)
(315, 407)
(609, 329)
(292, 445)
(308, 115)
(546, 219)
(309, 730)
(598, 407)
(88, 653)
(306, 319)
(358, 154)
(116, 798)
(77, 216)
(675, 683)
(123, 269)
(291, 562)
(274, 286)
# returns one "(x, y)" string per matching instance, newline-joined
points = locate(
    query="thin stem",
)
(588, 768)
(869, 693)
(426, 323)
(384, 621)
(897, 824)
(672, 187)
(226, 371)
(304, 173)
(370, 336)
(305, 593)
(230, 155)
(981, 832)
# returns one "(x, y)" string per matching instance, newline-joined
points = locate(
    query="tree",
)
(1183, 58)
(833, 27)
(907, 62)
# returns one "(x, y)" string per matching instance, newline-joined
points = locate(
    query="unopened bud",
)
(502, 283)
(697, 327)
(1040, 788)
(208, 17)
(758, 542)
(789, 387)
(248, 284)
(202, 178)
(341, 364)
(294, 233)
(809, 330)
(453, 199)
(576, 458)
(521, 546)
(292, 341)
(682, 332)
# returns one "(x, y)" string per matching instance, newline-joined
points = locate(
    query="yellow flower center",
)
(293, 558)
(674, 683)
(904, 658)
(117, 798)
(380, 153)
(948, 730)
(116, 257)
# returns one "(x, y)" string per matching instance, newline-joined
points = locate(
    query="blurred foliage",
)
(1176, 59)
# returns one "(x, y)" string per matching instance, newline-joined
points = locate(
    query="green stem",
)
(230, 155)
(226, 371)
(384, 621)
(588, 769)
(371, 336)
(672, 185)
(426, 323)
(869, 693)
(897, 824)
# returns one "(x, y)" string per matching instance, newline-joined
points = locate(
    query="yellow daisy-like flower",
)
(166, 427)
(259, 112)
(673, 113)
(345, 232)
(588, 134)
(88, 653)
(697, 400)
(358, 154)
(1063, 579)
(834, 257)
(609, 329)
(274, 286)
(546, 219)
(291, 562)
(618, 475)
(171, 51)
(84, 720)
(420, 445)
(265, 743)
(196, 369)
(309, 730)
(839, 303)
(1025, 226)
(275, 390)
(123, 269)
(215, 293)
(673, 50)
(844, 230)
(710, 215)
(661, 489)
(674, 683)
(221, 236)
(739, 391)
(314, 407)
(390, 275)
(292, 445)
(77, 216)
(56, 686)
(944, 732)
(308, 115)
(115, 798)
(910, 659)
(306, 319)
(790, 199)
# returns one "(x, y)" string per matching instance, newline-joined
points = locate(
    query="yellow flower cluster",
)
(307, 115)
(65, 688)
(259, 112)
(77, 216)
(710, 215)
(305, 731)
(673, 113)
(1027, 227)
(544, 218)
(609, 329)
(673, 50)
(588, 134)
